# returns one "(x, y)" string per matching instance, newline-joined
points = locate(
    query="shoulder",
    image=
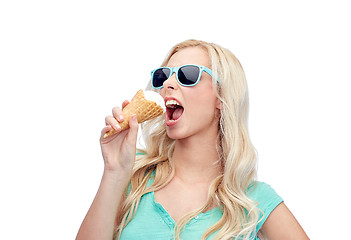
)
(261, 192)
(266, 198)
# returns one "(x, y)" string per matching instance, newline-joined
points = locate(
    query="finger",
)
(125, 103)
(118, 114)
(110, 120)
(106, 129)
(133, 132)
(106, 137)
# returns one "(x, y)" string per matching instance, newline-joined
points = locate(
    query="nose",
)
(171, 82)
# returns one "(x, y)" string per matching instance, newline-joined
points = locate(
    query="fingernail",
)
(117, 127)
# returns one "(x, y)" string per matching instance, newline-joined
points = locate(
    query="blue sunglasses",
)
(186, 75)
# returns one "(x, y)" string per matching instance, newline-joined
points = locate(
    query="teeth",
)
(172, 104)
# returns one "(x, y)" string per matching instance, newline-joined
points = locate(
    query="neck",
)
(196, 160)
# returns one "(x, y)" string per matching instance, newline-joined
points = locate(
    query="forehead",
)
(190, 55)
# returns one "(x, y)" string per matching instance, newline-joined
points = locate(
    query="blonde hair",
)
(237, 155)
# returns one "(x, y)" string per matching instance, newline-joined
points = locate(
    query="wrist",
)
(117, 176)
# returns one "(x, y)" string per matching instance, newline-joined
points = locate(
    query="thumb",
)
(133, 131)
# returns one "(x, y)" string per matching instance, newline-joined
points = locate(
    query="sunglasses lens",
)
(160, 75)
(188, 75)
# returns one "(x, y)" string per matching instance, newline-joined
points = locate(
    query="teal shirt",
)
(152, 221)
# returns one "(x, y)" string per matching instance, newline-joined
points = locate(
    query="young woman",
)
(195, 179)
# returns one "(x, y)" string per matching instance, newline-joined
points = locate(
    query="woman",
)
(196, 177)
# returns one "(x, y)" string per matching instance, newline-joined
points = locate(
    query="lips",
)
(174, 111)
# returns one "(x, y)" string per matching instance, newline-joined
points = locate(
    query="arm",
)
(119, 155)
(99, 222)
(282, 225)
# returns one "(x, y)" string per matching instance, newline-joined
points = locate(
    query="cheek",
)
(204, 106)
(162, 92)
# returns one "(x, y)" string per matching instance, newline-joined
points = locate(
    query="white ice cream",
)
(155, 97)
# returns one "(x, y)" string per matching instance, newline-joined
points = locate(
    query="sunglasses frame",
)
(176, 69)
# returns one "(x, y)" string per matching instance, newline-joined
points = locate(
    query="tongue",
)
(177, 113)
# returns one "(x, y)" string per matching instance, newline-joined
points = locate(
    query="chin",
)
(175, 135)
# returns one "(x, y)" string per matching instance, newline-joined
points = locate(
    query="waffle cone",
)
(143, 108)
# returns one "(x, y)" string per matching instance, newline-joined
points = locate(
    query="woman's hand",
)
(119, 155)
(119, 149)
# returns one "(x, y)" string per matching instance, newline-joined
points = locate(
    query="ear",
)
(219, 104)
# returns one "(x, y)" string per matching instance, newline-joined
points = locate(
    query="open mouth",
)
(174, 110)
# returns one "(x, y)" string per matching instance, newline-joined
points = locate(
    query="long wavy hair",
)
(235, 150)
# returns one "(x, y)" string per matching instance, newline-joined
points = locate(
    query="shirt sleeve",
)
(267, 200)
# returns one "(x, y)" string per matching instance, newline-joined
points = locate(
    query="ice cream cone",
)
(144, 109)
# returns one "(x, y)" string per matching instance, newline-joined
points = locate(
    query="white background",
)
(65, 64)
